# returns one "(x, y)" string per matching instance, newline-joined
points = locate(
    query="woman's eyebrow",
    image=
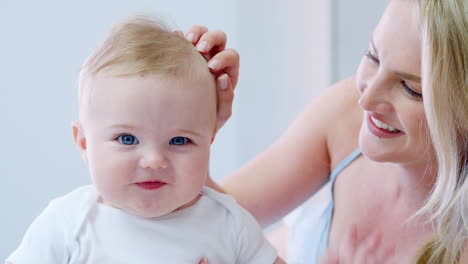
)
(409, 76)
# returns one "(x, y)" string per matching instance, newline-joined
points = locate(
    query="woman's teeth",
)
(384, 126)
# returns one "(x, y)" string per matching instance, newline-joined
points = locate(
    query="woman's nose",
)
(374, 96)
(154, 160)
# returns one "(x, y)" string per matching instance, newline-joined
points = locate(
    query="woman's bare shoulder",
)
(345, 119)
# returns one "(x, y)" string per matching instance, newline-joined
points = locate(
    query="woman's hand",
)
(365, 250)
(277, 261)
(224, 63)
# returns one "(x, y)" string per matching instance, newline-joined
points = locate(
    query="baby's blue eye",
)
(179, 141)
(127, 140)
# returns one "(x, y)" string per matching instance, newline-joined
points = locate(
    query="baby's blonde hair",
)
(141, 45)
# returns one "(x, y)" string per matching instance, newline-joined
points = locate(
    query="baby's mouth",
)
(150, 185)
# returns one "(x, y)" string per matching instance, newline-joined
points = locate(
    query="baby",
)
(147, 118)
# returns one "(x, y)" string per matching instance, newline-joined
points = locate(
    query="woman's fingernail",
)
(213, 64)
(223, 82)
(190, 36)
(202, 46)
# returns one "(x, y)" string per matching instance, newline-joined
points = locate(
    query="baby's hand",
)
(367, 250)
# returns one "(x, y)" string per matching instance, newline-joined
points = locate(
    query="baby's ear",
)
(80, 139)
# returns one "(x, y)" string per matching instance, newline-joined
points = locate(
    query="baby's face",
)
(148, 140)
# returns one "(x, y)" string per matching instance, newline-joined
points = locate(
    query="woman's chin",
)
(375, 155)
(377, 152)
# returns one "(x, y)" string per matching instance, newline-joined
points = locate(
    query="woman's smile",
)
(382, 129)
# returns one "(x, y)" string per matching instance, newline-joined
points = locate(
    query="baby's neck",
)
(101, 200)
(187, 205)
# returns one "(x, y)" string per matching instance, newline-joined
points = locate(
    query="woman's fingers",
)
(203, 261)
(330, 257)
(195, 32)
(371, 250)
(347, 250)
(225, 96)
(389, 252)
(226, 61)
(208, 43)
(356, 249)
(212, 45)
(206, 40)
(368, 250)
(212, 42)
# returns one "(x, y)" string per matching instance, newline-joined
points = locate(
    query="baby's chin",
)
(152, 210)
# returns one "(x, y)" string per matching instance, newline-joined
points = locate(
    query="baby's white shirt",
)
(76, 228)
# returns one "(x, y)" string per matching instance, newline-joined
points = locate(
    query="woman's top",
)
(309, 225)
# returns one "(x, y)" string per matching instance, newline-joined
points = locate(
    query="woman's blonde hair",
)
(445, 89)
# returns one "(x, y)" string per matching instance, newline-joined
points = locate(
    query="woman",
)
(371, 130)
(445, 89)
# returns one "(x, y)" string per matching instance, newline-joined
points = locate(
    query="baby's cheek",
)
(109, 177)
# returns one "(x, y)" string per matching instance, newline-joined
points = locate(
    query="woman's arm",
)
(299, 162)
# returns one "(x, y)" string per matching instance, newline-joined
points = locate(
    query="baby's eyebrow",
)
(184, 131)
(121, 126)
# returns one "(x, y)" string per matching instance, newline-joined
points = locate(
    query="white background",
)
(290, 50)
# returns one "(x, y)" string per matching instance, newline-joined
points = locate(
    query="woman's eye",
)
(372, 57)
(128, 140)
(179, 141)
(412, 93)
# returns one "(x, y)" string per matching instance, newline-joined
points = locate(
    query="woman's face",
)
(388, 79)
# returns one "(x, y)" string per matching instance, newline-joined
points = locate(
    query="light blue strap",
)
(343, 164)
(331, 207)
